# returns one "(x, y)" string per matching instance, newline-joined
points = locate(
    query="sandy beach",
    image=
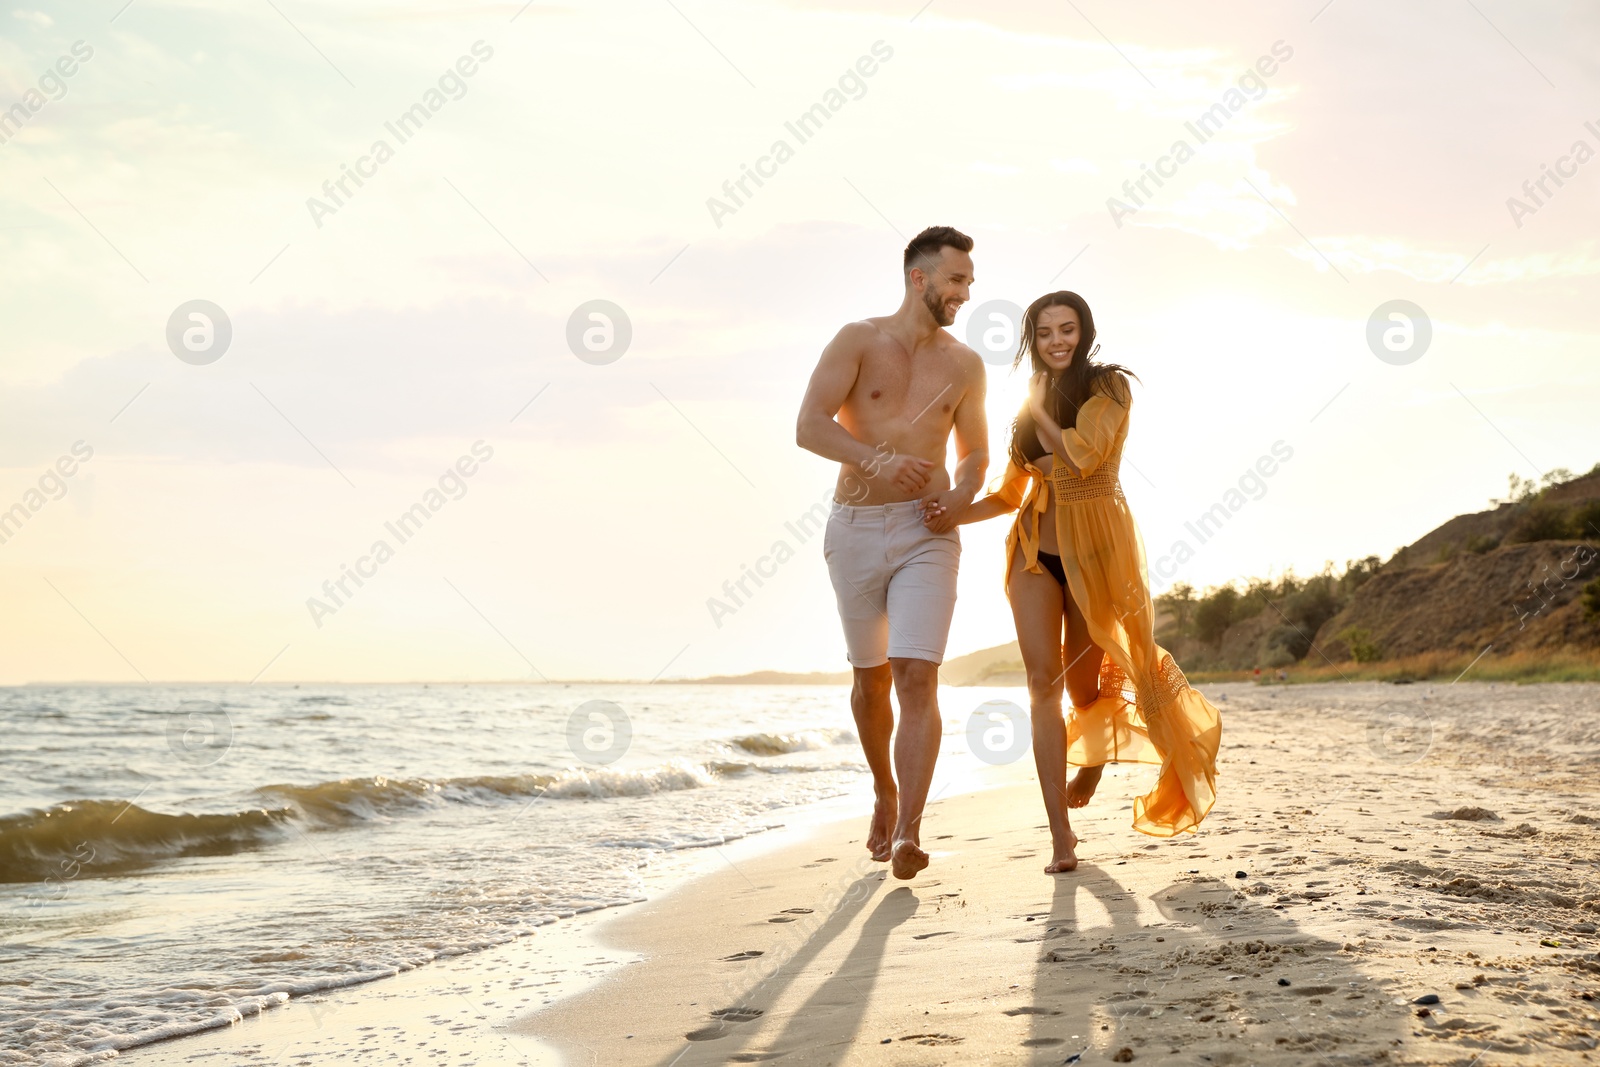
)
(1375, 847)
(1384, 880)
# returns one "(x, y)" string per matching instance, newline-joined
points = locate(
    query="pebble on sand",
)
(1283, 981)
(1427, 998)
(1240, 874)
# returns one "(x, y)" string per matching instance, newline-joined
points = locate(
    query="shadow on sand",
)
(1219, 978)
(843, 998)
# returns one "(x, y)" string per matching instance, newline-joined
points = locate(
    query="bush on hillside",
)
(1363, 649)
(1284, 641)
(1586, 521)
(1297, 608)
(1591, 600)
(1541, 521)
(1214, 614)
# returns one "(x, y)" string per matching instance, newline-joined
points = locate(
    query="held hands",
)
(942, 512)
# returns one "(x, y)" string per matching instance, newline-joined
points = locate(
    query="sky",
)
(423, 336)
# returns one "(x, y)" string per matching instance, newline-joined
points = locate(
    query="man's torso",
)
(903, 403)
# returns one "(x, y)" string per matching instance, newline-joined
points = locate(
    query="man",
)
(881, 403)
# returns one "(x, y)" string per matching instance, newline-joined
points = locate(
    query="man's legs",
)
(869, 702)
(921, 600)
(916, 749)
(855, 553)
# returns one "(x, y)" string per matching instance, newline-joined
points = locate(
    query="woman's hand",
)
(1038, 386)
(941, 512)
(1038, 394)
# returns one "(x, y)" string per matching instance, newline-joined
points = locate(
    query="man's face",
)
(946, 284)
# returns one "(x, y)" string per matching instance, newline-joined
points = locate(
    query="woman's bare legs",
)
(1083, 686)
(1037, 606)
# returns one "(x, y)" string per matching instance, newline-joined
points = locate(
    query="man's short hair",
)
(926, 245)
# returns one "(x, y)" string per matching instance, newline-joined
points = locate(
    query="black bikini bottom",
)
(1052, 563)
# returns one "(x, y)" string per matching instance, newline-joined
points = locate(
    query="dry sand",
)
(1359, 896)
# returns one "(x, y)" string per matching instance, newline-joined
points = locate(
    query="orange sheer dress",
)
(1146, 711)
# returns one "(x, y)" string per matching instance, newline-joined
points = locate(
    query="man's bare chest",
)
(892, 385)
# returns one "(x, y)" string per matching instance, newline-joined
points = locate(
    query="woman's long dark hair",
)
(1073, 386)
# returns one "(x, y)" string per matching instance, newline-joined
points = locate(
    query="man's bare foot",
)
(908, 859)
(1082, 786)
(884, 813)
(1066, 855)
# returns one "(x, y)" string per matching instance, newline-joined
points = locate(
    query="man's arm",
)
(972, 433)
(943, 511)
(817, 431)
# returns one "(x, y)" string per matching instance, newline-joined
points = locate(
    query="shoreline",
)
(471, 992)
(471, 996)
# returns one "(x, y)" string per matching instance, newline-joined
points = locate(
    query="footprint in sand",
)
(931, 1039)
(737, 1015)
(936, 933)
(788, 915)
(1031, 1010)
(1043, 1042)
(724, 1017)
(747, 954)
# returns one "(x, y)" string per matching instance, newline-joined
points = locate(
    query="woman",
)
(1085, 569)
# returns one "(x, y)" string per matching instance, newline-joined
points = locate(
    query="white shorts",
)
(895, 581)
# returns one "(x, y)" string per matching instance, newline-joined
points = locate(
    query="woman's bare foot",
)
(908, 859)
(1082, 786)
(1066, 855)
(884, 813)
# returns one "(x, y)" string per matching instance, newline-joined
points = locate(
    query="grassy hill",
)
(1512, 592)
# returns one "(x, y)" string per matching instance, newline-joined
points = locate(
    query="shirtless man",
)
(882, 402)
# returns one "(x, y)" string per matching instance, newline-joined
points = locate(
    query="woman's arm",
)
(1007, 498)
(988, 508)
(1041, 415)
(1099, 421)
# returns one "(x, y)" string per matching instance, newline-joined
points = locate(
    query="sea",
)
(176, 858)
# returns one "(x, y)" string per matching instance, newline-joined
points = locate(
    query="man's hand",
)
(941, 512)
(906, 473)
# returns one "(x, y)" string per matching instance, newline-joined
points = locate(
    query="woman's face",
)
(1055, 336)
